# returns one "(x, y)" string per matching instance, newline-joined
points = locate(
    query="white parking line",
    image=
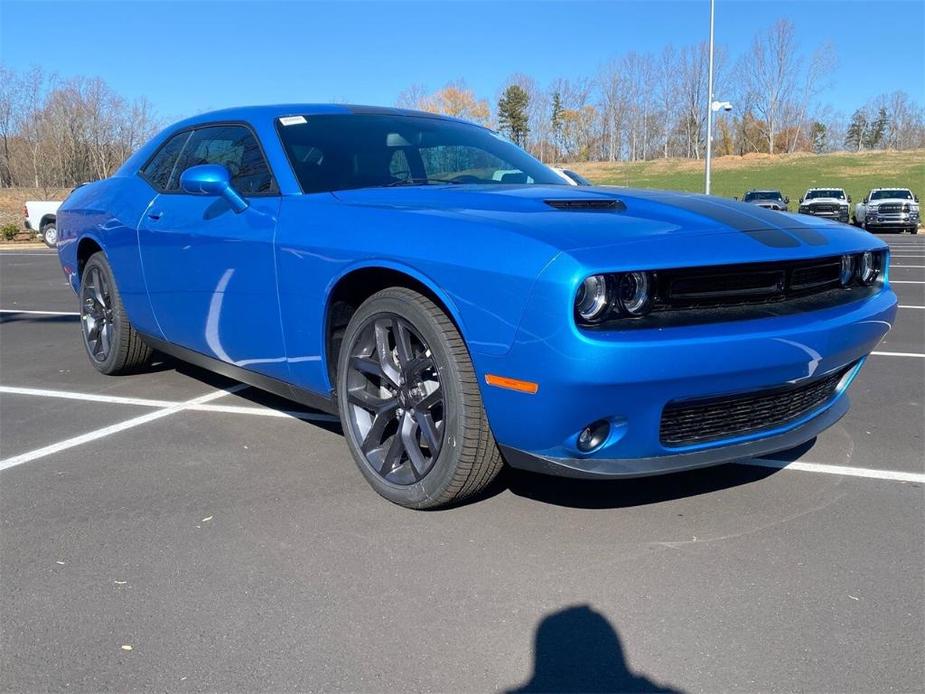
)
(899, 354)
(5, 254)
(145, 402)
(869, 473)
(40, 313)
(906, 282)
(908, 306)
(15, 460)
(894, 266)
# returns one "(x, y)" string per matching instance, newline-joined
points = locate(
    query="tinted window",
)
(338, 152)
(839, 194)
(160, 168)
(887, 194)
(235, 148)
(762, 195)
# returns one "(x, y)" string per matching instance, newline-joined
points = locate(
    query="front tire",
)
(50, 235)
(112, 344)
(410, 405)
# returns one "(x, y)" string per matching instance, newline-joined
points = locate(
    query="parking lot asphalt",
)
(160, 532)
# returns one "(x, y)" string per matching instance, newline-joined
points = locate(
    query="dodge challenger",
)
(460, 307)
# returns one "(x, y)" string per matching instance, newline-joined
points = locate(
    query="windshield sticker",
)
(292, 120)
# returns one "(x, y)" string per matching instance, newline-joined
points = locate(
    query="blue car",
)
(459, 306)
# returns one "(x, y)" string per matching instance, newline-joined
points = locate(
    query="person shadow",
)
(577, 650)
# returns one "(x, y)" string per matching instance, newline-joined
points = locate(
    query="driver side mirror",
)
(212, 179)
(735, 197)
(787, 200)
(849, 198)
(915, 197)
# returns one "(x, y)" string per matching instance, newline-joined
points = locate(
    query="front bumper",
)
(625, 468)
(628, 377)
(904, 220)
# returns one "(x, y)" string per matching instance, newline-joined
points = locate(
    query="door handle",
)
(155, 215)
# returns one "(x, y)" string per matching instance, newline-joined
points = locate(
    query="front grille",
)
(743, 284)
(698, 421)
(823, 209)
(893, 208)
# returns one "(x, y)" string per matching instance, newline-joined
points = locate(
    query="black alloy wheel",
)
(113, 345)
(394, 399)
(410, 404)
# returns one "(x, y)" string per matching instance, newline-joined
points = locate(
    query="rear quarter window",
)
(160, 168)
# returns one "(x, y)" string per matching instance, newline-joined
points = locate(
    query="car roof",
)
(270, 111)
(826, 188)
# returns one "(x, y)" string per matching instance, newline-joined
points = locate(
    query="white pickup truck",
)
(41, 216)
(894, 209)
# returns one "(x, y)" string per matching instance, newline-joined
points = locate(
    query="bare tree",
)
(769, 71)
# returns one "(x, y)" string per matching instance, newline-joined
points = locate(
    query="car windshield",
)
(831, 193)
(895, 194)
(344, 151)
(762, 195)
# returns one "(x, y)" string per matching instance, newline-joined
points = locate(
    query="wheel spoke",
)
(392, 455)
(373, 438)
(408, 428)
(429, 400)
(95, 288)
(384, 352)
(372, 403)
(428, 431)
(402, 342)
(367, 366)
(105, 338)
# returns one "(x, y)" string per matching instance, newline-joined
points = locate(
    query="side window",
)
(159, 169)
(232, 146)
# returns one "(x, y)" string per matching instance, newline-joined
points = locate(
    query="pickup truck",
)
(41, 216)
(895, 209)
(831, 203)
(769, 199)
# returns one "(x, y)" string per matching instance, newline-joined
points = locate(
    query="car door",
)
(210, 270)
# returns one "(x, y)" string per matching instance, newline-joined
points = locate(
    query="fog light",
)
(593, 436)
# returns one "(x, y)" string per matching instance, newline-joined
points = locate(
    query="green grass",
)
(857, 173)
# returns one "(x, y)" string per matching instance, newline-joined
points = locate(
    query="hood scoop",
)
(606, 204)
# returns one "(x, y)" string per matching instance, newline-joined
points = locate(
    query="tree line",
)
(636, 106)
(62, 132)
(641, 106)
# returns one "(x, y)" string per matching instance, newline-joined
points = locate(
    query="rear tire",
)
(50, 235)
(413, 414)
(112, 344)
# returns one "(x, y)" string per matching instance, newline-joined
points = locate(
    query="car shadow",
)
(640, 491)
(577, 649)
(556, 491)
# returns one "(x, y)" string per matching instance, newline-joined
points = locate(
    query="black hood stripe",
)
(761, 224)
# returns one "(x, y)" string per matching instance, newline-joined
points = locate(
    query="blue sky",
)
(188, 57)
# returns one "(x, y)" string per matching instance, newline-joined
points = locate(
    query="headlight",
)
(591, 300)
(869, 267)
(847, 270)
(633, 293)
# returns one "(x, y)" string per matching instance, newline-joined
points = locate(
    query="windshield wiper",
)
(418, 182)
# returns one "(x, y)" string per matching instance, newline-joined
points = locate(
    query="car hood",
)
(654, 223)
(826, 201)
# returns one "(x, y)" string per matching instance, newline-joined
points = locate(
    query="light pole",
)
(706, 184)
